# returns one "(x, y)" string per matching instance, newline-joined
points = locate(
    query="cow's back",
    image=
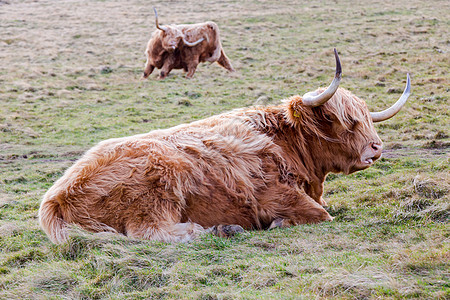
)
(210, 49)
(204, 172)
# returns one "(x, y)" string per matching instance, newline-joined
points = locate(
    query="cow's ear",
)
(296, 111)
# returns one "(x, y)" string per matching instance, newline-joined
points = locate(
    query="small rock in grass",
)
(106, 70)
(394, 91)
(184, 102)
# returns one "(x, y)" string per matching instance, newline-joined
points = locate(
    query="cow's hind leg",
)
(180, 232)
(176, 232)
(225, 62)
(157, 217)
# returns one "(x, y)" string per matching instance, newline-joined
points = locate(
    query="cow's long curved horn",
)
(157, 23)
(394, 109)
(193, 43)
(311, 99)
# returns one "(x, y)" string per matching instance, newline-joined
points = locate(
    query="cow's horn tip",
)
(338, 64)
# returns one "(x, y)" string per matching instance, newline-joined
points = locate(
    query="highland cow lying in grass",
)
(169, 48)
(252, 168)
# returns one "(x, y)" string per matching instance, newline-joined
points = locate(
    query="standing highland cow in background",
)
(257, 168)
(169, 48)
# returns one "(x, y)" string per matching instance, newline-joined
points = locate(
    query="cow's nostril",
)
(376, 147)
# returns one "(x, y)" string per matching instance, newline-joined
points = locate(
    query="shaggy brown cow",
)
(169, 48)
(258, 168)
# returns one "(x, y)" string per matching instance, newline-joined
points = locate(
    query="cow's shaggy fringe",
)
(250, 167)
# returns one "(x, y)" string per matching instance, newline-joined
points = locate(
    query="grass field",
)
(70, 78)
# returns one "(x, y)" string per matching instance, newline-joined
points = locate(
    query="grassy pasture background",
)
(70, 77)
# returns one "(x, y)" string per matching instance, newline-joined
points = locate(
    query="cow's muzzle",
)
(371, 154)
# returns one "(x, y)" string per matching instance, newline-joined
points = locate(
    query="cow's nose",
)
(377, 148)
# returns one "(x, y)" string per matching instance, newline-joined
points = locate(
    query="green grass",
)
(71, 80)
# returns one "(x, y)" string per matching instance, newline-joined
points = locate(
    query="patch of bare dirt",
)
(422, 153)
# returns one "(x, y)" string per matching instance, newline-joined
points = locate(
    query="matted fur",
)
(248, 167)
(166, 50)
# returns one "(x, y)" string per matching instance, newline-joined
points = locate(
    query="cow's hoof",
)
(281, 223)
(323, 202)
(276, 224)
(226, 231)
